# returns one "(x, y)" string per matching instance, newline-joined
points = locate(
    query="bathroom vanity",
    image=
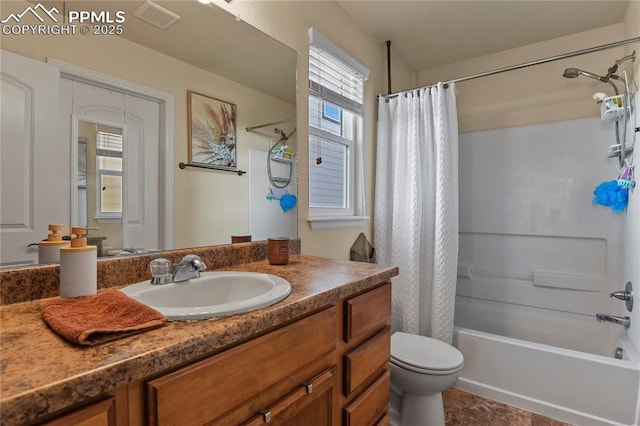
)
(319, 357)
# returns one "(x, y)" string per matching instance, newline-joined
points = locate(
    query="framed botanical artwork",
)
(212, 131)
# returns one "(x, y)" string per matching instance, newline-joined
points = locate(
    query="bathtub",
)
(575, 387)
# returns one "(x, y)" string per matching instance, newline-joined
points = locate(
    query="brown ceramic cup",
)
(278, 251)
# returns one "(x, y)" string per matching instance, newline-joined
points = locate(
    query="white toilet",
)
(421, 369)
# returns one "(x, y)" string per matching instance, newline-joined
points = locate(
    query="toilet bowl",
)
(421, 369)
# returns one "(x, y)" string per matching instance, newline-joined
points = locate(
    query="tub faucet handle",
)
(626, 295)
(621, 295)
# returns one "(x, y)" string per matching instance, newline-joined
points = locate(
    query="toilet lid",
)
(424, 353)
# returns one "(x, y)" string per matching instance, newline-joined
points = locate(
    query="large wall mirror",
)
(206, 50)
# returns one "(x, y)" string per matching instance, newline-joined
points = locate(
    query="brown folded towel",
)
(90, 320)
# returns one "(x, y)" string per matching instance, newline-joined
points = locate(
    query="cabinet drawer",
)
(200, 393)
(310, 404)
(367, 312)
(366, 359)
(371, 405)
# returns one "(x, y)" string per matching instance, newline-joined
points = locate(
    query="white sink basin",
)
(214, 294)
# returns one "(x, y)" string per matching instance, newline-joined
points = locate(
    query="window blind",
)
(334, 75)
(109, 144)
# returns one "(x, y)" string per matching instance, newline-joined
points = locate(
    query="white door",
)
(29, 156)
(142, 180)
(140, 120)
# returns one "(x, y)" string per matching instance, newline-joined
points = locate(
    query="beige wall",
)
(288, 22)
(535, 94)
(402, 77)
(210, 206)
(632, 29)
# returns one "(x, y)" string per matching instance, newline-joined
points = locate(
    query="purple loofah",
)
(610, 194)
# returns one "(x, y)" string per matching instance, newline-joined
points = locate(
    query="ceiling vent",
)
(155, 15)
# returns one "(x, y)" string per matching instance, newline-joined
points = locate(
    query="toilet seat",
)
(424, 355)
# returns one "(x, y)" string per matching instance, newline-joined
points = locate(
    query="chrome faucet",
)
(163, 272)
(189, 267)
(625, 321)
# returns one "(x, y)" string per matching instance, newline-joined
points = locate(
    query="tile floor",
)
(465, 409)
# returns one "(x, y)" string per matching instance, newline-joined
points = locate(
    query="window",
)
(109, 176)
(336, 98)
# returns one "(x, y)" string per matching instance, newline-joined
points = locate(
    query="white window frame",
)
(100, 172)
(348, 210)
(353, 215)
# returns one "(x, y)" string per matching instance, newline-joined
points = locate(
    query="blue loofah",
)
(609, 194)
(287, 202)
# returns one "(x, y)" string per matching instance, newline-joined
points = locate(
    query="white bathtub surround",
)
(416, 206)
(537, 262)
(572, 386)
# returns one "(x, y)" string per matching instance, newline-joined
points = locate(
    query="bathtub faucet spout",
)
(625, 321)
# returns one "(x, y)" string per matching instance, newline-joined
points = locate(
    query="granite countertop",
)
(42, 373)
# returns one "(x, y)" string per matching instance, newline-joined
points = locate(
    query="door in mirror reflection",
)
(115, 190)
(99, 183)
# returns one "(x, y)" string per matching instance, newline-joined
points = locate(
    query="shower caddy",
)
(618, 109)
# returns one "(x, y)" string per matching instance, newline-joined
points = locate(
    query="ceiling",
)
(431, 33)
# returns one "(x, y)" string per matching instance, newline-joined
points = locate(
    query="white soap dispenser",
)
(78, 266)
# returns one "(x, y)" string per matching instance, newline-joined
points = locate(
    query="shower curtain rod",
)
(527, 64)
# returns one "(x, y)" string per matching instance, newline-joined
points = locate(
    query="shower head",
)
(575, 72)
(571, 73)
(283, 135)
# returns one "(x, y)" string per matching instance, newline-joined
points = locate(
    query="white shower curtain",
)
(416, 207)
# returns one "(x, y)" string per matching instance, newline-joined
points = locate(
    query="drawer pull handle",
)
(308, 387)
(266, 415)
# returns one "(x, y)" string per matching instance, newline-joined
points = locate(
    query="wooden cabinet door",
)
(309, 405)
(101, 413)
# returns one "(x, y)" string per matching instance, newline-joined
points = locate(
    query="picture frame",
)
(211, 131)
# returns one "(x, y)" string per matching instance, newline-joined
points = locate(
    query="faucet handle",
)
(626, 295)
(621, 295)
(195, 261)
(161, 271)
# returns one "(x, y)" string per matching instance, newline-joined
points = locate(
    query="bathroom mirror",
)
(207, 50)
